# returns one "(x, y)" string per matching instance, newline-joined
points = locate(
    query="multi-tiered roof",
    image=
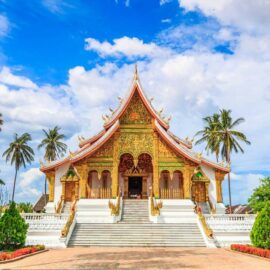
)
(112, 124)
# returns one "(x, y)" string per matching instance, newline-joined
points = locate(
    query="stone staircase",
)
(135, 230)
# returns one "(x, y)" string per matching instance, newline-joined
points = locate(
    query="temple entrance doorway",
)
(135, 187)
(199, 192)
(69, 191)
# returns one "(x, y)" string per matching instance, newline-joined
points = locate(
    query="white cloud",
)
(242, 186)
(4, 26)
(163, 2)
(251, 16)
(125, 46)
(166, 21)
(56, 6)
(29, 177)
(8, 78)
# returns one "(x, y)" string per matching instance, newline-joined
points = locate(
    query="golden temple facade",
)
(137, 156)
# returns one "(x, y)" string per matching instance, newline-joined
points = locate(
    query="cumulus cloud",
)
(29, 177)
(4, 26)
(125, 46)
(56, 6)
(6, 77)
(251, 16)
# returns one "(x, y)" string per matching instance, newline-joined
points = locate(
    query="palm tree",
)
(221, 138)
(19, 153)
(54, 148)
(229, 139)
(209, 134)
(1, 121)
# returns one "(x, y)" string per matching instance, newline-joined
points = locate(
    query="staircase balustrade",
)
(70, 220)
(207, 230)
(59, 206)
(155, 207)
(115, 208)
(230, 222)
(44, 221)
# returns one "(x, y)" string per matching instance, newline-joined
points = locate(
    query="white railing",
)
(230, 222)
(45, 221)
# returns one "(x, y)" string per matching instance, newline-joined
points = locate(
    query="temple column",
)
(188, 173)
(82, 171)
(155, 167)
(219, 178)
(115, 177)
(51, 181)
(76, 179)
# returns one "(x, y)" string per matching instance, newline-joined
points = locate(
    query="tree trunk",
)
(229, 189)
(14, 184)
(45, 191)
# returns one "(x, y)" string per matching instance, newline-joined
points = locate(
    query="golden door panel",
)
(69, 191)
(199, 192)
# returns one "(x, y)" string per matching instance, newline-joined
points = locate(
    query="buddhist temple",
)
(135, 154)
(135, 183)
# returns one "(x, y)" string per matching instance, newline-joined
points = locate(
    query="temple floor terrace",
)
(140, 258)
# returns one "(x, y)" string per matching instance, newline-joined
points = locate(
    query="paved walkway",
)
(140, 258)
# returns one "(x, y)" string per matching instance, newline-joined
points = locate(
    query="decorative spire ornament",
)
(136, 77)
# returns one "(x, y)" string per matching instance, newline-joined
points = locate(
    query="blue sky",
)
(64, 62)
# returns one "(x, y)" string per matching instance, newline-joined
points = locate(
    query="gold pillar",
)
(155, 167)
(76, 180)
(188, 173)
(219, 178)
(82, 171)
(144, 187)
(115, 180)
(206, 191)
(51, 182)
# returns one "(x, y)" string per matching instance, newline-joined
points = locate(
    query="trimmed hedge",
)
(251, 250)
(13, 229)
(260, 233)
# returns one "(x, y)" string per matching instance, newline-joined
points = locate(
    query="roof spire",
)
(136, 76)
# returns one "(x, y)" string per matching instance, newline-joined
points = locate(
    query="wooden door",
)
(199, 192)
(70, 191)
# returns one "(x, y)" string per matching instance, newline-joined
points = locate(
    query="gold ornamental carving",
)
(106, 150)
(136, 113)
(136, 143)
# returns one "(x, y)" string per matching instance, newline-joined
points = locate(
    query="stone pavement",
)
(95, 258)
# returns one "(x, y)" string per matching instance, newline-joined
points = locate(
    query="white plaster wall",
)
(62, 170)
(210, 173)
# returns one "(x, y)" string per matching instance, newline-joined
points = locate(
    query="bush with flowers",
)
(20, 252)
(251, 250)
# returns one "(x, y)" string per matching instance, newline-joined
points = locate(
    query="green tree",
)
(13, 229)
(222, 138)
(260, 195)
(54, 147)
(1, 121)
(260, 234)
(19, 154)
(209, 135)
(25, 207)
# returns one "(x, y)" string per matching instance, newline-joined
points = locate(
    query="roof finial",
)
(136, 77)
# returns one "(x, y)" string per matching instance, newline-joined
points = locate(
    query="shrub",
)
(260, 234)
(20, 252)
(13, 229)
(251, 250)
